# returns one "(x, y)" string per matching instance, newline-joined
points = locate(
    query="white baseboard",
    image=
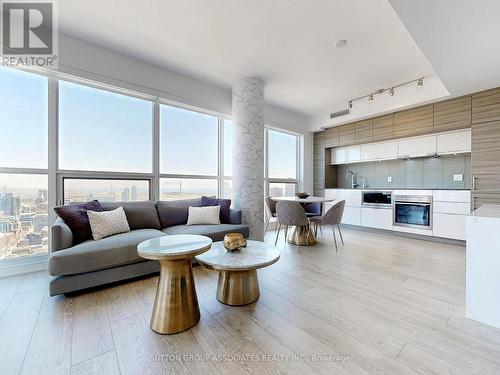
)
(12, 267)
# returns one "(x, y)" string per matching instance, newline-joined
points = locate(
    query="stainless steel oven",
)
(413, 211)
(376, 198)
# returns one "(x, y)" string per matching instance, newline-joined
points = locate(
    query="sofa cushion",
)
(96, 255)
(140, 215)
(175, 212)
(224, 205)
(215, 232)
(76, 218)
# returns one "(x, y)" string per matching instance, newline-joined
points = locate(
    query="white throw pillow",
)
(107, 223)
(203, 215)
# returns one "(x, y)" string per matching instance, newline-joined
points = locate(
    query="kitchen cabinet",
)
(379, 151)
(453, 114)
(352, 197)
(417, 146)
(414, 121)
(383, 128)
(344, 155)
(486, 106)
(363, 131)
(376, 217)
(319, 164)
(346, 135)
(449, 226)
(454, 142)
(485, 162)
(332, 137)
(352, 216)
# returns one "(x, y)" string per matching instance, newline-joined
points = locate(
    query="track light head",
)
(350, 104)
(420, 83)
(370, 98)
(391, 91)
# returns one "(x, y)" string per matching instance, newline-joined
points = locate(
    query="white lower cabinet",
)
(449, 226)
(352, 215)
(376, 218)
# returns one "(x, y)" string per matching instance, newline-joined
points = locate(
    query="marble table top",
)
(310, 199)
(256, 255)
(174, 246)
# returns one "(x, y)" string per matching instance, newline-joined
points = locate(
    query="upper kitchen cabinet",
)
(363, 131)
(454, 142)
(414, 121)
(346, 135)
(332, 137)
(452, 114)
(486, 106)
(383, 128)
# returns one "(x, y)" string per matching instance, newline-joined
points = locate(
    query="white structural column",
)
(248, 153)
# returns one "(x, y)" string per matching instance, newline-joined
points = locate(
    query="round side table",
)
(238, 283)
(176, 305)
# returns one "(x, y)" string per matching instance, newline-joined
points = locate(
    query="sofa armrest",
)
(234, 216)
(62, 237)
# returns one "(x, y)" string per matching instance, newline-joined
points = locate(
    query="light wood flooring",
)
(381, 305)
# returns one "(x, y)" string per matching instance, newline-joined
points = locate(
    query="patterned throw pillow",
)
(203, 215)
(76, 218)
(107, 223)
(224, 206)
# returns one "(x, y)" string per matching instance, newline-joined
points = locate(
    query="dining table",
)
(302, 235)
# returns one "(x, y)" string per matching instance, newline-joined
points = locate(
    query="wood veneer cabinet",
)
(346, 135)
(319, 164)
(383, 128)
(331, 137)
(453, 114)
(415, 121)
(486, 106)
(363, 131)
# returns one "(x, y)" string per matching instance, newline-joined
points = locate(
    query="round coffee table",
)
(176, 305)
(238, 284)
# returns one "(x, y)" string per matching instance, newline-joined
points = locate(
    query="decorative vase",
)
(234, 241)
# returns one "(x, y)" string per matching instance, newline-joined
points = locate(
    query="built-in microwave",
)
(376, 198)
(413, 211)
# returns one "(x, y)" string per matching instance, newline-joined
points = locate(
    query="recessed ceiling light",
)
(341, 43)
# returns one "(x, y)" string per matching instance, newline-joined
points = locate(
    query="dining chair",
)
(270, 208)
(290, 214)
(332, 217)
(313, 209)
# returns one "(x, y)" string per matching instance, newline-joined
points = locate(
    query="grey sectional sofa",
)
(115, 258)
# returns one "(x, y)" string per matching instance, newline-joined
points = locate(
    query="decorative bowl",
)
(302, 195)
(234, 241)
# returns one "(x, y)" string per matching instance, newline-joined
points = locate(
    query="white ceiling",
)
(290, 44)
(461, 39)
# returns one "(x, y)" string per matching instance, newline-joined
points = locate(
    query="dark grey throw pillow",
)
(224, 206)
(76, 218)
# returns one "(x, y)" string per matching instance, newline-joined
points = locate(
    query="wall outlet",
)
(389, 178)
(458, 177)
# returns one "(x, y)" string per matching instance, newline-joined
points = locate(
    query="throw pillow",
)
(76, 218)
(203, 215)
(107, 223)
(224, 206)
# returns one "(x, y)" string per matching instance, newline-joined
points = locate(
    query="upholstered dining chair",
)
(270, 208)
(290, 214)
(332, 217)
(313, 209)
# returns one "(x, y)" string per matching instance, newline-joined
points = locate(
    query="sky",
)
(104, 131)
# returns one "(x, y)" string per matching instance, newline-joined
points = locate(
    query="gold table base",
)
(176, 304)
(302, 236)
(238, 288)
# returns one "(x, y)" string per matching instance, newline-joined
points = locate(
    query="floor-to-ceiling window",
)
(23, 164)
(282, 163)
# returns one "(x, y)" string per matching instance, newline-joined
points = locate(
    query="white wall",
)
(89, 61)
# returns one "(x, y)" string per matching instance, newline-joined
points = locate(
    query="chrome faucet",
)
(353, 184)
(363, 182)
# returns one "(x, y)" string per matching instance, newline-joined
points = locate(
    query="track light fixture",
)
(391, 90)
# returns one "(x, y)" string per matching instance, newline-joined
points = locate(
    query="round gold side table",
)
(176, 304)
(238, 283)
